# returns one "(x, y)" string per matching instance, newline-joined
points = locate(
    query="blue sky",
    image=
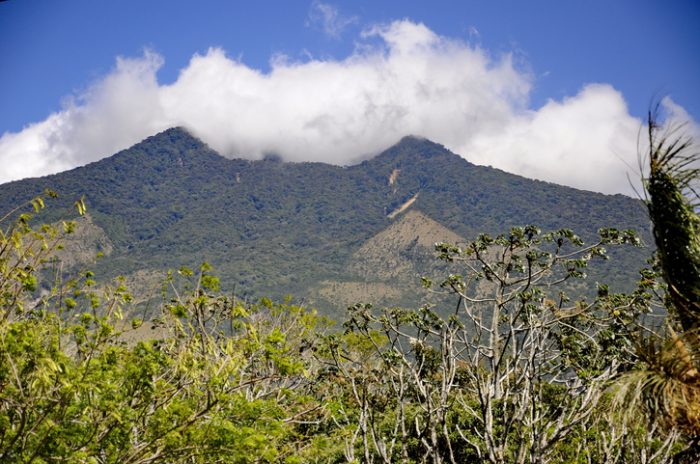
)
(58, 58)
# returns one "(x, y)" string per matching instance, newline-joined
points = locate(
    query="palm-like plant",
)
(672, 200)
(668, 382)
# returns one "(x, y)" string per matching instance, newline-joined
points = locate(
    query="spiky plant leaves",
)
(667, 382)
(669, 385)
(672, 201)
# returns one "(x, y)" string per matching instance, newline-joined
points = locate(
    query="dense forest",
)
(313, 230)
(514, 370)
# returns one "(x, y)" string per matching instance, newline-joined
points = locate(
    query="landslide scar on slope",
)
(403, 207)
(393, 176)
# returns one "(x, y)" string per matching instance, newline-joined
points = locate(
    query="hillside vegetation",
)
(272, 228)
(515, 369)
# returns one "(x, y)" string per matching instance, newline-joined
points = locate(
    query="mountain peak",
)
(413, 148)
(174, 146)
(426, 147)
(175, 135)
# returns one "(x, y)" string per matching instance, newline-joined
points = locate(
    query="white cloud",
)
(675, 116)
(587, 141)
(402, 79)
(116, 112)
(674, 124)
(329, 19)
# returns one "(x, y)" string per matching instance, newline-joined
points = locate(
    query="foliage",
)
(217, 381)
(516, 372)
(667, 381)
(273, 228)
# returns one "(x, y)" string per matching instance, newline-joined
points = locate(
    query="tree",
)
(220, 381)
(515, 372)
(667, 382)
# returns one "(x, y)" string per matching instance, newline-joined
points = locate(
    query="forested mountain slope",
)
(309, 229)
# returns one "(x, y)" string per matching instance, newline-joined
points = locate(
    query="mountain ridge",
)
(273, 228)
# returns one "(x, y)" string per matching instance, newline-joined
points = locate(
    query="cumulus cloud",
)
(674, 123)
(586, 141)
(675, 117)
(116, 112)
(402, 79)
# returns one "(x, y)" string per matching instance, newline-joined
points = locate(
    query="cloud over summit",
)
(402, 79)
